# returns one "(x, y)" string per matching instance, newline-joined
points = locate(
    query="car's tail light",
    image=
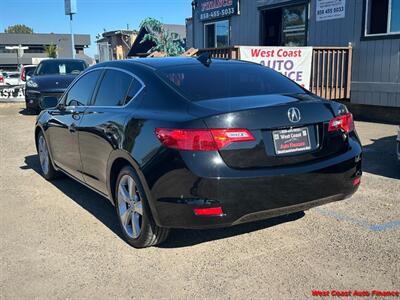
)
(23, 75)
(202, 139)
(209, 211)
(344, 122)
(1, 79)
(357, 181)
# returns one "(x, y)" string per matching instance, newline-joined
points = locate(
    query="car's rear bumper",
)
(251, 196)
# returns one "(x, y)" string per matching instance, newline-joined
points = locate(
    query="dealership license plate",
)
(291, 140)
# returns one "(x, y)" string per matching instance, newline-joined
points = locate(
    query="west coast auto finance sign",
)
(214, 9)
(293, 62)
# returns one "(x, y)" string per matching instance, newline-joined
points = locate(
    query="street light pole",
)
(72, 36)
(70, 9)
(194, 6)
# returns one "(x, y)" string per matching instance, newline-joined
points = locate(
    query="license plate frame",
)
(291, 141)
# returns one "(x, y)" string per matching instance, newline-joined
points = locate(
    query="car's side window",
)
(113, 88)
(135, 88)
(81, 93)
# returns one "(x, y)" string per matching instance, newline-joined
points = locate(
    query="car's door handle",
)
(72, 127)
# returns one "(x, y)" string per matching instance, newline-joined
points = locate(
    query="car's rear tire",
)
(134, 215)
(46, 165)
(31, 110)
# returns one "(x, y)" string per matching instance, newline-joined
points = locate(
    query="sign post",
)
(20, 51)
(70, 10)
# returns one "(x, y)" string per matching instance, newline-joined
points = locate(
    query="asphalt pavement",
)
(60, 240)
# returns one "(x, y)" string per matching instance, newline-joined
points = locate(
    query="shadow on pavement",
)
(104, 211)
(188, 237)
(380, 158)
(94, 203)
(27, 112)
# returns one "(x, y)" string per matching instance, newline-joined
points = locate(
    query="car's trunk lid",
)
(268, 119)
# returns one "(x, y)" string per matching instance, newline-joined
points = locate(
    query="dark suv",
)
(50, 79)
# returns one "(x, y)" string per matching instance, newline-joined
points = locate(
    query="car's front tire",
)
(136, 222)
(46, 165)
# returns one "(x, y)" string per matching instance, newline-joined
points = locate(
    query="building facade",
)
(115, 45)
(37, 43)
(372, 27)
(142, 48)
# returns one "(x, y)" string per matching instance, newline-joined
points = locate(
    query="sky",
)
(93, 17)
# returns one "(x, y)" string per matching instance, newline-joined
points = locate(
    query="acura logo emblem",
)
(294, 115)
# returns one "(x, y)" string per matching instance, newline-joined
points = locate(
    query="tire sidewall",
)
(147, 222)
(50, 172)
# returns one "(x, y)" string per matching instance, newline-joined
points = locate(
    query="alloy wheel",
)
(43, 154)
(130, 206)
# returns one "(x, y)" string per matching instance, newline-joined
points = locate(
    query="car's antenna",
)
(205, 58)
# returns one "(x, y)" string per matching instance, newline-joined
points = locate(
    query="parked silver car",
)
(12, 78)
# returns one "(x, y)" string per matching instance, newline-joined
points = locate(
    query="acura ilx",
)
(197, 143)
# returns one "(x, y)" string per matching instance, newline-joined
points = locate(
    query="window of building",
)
(382, 17)
(294, 26)
(113, 88)
(81, 93)
(216, 35)
(284, 26)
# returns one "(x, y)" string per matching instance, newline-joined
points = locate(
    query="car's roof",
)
(174, 61)
(62, 60)
(157, 63)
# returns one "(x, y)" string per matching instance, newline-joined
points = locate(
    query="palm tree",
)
(51, 51)
(165, 41)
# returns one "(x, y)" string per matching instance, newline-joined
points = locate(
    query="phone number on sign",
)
(330, 11)
(218, 13)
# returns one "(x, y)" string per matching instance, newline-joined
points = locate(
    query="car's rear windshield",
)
(60, 67)
(223, 80)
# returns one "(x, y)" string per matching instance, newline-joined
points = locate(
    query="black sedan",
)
(194, 143)
(50, 79)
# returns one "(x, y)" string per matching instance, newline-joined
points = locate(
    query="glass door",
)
(294, 26)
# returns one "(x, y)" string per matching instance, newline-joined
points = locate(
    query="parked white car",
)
(26, 72)
(12, 78)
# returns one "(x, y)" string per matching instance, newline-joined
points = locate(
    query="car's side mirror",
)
(48, 102)
(61, 106)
